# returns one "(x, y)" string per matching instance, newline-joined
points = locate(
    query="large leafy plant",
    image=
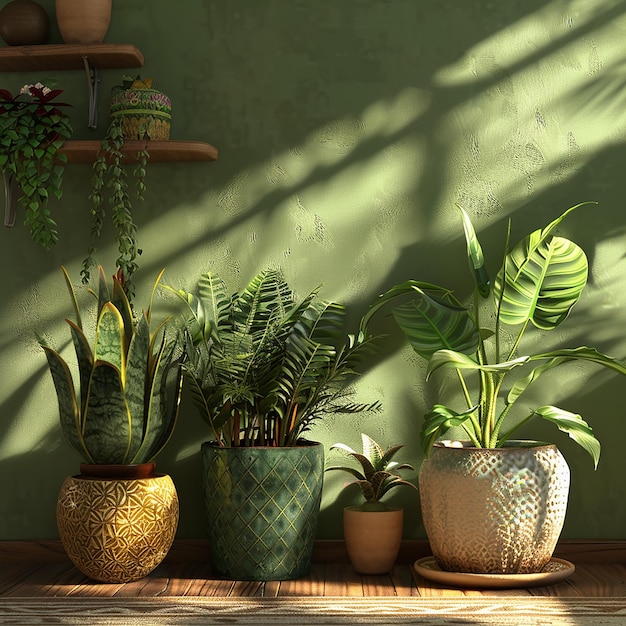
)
(263, 366)
(378, 472)
(122, 413)
(540, 280)
(33, 128)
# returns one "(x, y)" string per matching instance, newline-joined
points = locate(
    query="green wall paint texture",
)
(347, 130)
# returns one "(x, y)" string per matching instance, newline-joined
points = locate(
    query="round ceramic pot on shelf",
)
(494, 510)
(372, 538)
(24, 23)
(83, 22)
(262, 506)
(117, 522)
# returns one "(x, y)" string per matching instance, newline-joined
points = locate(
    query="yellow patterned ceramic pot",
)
(117, 529)
(493, 511)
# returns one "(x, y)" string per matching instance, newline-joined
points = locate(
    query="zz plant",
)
(261, 365)
(539, 281)
(378, 472)
(122, 413)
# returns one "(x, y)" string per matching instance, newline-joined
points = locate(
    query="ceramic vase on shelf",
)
(24, 23)
(83, 22)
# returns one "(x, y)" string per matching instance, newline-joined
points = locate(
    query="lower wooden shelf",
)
(86, 150)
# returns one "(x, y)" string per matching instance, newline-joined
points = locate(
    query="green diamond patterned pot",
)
(262, 508)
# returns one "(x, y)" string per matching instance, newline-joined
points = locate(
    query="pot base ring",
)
(555, 571)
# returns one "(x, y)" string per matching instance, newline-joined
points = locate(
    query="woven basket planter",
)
(145, 113)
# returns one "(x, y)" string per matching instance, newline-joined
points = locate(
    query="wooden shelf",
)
(93, 57)
(86, 151)
(69, 57)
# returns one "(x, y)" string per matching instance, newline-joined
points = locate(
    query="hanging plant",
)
(110, 185)
(138, 113)
(32, 130)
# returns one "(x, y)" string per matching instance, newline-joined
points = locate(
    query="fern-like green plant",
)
(122, 413)
(262, 366)
(379, 473)
(539, 281)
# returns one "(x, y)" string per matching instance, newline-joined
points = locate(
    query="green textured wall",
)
(347, 131)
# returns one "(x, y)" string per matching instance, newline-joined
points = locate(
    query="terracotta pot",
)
(117, 530)
(372, 538)
(494, 511)
(23, 23)
(83, 22)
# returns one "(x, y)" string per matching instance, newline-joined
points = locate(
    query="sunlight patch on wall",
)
(535, 102)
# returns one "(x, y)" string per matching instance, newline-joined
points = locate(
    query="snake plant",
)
(261, 365)
(122, 414)
(379, 472)
(540, 280)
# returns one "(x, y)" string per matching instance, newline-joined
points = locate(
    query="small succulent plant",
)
(379, 472)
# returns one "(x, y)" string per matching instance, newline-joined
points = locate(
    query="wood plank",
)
(324, 551)
(342, 580)
(86, 150)
(598, 580)
(69, 57)
(41, 579)
(311, 585)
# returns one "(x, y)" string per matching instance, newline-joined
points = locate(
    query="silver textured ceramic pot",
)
(494, 510)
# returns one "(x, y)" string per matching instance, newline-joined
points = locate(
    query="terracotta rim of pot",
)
(117, 472)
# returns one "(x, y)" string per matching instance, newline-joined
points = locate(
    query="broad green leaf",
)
(438, 421)
(431, 325)
(543, 278)
(575, 426)
(558, 357)
(475, 256)
(457, 360)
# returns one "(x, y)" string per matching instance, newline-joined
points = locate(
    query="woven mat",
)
(327, 611)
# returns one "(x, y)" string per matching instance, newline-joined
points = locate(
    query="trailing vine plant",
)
(32, 130)
(110, 186)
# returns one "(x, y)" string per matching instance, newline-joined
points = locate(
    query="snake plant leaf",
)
(155, 432)
(120, 301)
(66, 396)
(106, 428)
(70, 288)
(84, 358)
(135, 382)
(170, 413)
(475, 256)
(438, 421)
(430, 325)
(575, 426)
(372, 451)
(542, 278)
(556, 358)
(111, 339)
(460, 361)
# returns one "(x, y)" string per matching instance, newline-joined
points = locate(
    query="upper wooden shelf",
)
(69, 57)
(86, 151)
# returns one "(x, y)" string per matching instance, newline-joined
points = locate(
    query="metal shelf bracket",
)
(92, 84)
(10, 199)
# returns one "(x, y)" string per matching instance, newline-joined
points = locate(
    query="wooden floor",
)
(40, 569)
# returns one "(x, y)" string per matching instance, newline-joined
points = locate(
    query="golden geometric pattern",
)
(494, 511)
(117, 531)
